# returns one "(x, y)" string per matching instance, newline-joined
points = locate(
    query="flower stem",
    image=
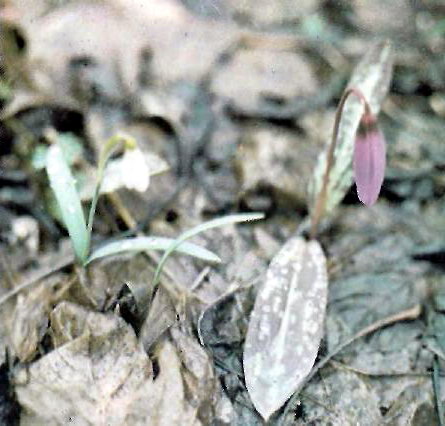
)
(108, 149)
(320, 202)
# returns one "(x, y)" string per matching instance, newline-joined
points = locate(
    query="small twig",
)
(362, 372)
(123, 212)
(408, 314)
(200, 278)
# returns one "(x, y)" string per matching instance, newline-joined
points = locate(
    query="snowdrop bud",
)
(369, 159)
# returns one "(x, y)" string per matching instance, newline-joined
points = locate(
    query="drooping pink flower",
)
(369, 159)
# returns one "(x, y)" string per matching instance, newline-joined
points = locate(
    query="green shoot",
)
(222, 221)
(67, 196)
(63, 185)
(105, 155)
(139, 244)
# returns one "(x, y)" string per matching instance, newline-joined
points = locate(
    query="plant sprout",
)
(68, 199)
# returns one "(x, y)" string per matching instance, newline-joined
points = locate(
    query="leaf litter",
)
(140, 345)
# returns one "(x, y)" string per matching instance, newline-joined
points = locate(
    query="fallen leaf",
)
(357, 403)
(286, 325)
(270, 157)
(99, 374)
(414, 405)
(198, 375)
(161, 316)
(266, 78)
(380, 17)
(28, 322)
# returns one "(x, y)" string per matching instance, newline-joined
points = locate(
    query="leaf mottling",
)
(286, 325)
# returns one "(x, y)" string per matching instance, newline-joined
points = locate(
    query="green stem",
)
(108, 149)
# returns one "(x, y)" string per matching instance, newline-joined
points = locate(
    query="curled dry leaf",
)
(161, 316)
(28, 321)
(286, 325)
(371, 77)
(99, 374)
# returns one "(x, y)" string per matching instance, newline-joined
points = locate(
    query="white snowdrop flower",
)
(134, 170)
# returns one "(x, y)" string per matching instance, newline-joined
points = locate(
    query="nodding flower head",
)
(369, 159)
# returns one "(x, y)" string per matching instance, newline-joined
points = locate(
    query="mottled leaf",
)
(286, 325)
(372, 77)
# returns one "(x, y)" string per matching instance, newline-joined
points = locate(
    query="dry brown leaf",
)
(356, 404)
(264, 78)
(99, 374)
(394, 18)
(114, 46)
(28, 321)
(161, 316)
(270, 157)
(198, 373)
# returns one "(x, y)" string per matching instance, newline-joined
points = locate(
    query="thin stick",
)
(320, 203)
(408, 314)
(123, 212)
(363, 372)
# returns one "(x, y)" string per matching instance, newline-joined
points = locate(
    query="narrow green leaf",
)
(215, 223)
(151, 243)
(63, 185)
(70, 144)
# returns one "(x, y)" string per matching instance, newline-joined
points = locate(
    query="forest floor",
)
(232, 102)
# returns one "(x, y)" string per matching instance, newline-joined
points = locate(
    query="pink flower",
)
(369, 159)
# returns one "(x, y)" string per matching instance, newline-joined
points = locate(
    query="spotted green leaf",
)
(286, 325)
